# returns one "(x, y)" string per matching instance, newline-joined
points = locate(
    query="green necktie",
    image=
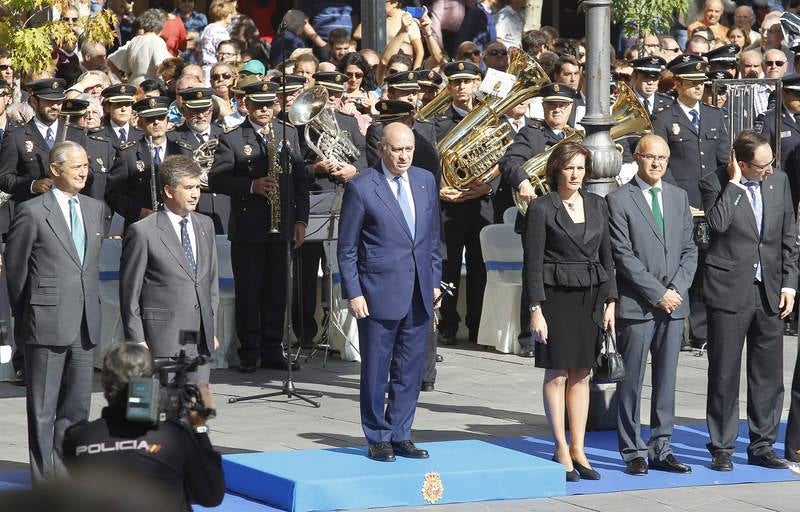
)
(656, 207)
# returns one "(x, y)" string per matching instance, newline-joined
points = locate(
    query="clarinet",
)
(446, 288)
(153, 188)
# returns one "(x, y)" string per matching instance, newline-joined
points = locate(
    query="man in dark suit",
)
(118, 110)
(698, 143)
(130, 188)
(389, 240)
(168, 272)
(751, 275)
(655, 257)
(52, 260)
(248, 167)
(197, 130)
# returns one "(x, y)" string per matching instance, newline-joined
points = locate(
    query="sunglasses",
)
(355, 75)
(70, 20)
(4, 67)
(776, 63)
(673, 50)
(497, 53)
(221, 76)
(473, 53)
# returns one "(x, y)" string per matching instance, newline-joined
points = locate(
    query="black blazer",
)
(790, 133)
(553, 257)
(735, 250)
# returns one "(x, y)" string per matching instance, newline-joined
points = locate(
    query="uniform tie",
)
(48, 138)
(76, 228)
(122, 137)
(695, 120)
(157, 155)
(754, 189)
(560, 135)
(405, 206)
(648, 106)
(201, 137)
(2, 132)
(655, 205)
(187, 245)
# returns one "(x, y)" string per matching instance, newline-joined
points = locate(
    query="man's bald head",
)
(397, 148)
(652, 157)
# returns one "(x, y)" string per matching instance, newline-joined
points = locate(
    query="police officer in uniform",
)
(244, 170)
(430, 83)
(790, 127)
(723, 58)
(534, 138)
(130, 190)
(644, 82)
(118, 110)
(698, 143)
(464, 214)
(196, 130)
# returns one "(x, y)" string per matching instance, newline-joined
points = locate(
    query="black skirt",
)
(573, 330)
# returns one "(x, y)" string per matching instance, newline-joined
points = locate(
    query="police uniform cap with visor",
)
(74, 107)
(429, 78)
(118, 93)
(403, 81)
(331, 80)
(197, 98)
(718, 75)
(51, 89)
(261, 92)
(393, 110)
(557, 92)
(293, 82)
(791, 83)
(688, 67)
(461, 69)
(651, 65)
(725, 54)
(152, 107)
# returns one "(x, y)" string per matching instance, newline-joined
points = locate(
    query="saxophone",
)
(274, 170)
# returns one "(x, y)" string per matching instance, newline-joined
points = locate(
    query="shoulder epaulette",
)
(129, 144)
(98, 136)
(183, 144)
(229, 129)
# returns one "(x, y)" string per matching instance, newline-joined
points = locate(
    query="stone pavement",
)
(479, 394)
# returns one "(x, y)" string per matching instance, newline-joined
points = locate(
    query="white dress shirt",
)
(63, 203)
(162, 152)
(116, 128)
(43, 128)
(405, 183)
(175, 220)
(648, 196)
(686, 110)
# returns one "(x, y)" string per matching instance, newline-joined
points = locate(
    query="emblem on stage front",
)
(432, 488)
(676, 129)
(29, 146)
(248, 149)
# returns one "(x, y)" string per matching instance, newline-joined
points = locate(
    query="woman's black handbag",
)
(609, 362)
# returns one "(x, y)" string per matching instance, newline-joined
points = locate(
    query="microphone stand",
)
(288, 389)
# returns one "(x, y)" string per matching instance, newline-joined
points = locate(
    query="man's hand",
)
(358, 307)
(786, 304)
(325, 166)
(195, 418)
(345, 172)
(299, 234)
(216, 343)
(526, 191)
(436, 294)
(670, 301)
(144, 212)
(476, 189)
(406, 20)
(450, 195)
(265, 186)
(734, 171)
(41, 186)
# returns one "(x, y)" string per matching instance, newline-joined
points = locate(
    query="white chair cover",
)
(510, 215)
(111, 330)
(502, 254)
(347, 345)
(226, 355)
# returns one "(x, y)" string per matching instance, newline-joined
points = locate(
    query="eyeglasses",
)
(357, 75)
(661, 159)
(69, 20)
(776, 63)
(497, 53)
(654, 45)
(226, 54)
(673, 50)
(761, 167)
(221, 76)
(473, 53)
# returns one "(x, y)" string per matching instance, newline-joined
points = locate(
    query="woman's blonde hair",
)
(220, 9)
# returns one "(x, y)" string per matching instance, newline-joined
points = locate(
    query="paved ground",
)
(478, 394)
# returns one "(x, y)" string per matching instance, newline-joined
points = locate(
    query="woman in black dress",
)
(571, 291)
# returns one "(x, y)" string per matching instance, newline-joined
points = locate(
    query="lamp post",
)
(373, 24)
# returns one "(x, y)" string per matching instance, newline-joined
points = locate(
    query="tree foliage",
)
(642, 18)
(30, 37)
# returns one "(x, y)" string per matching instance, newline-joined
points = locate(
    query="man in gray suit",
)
(656, 258)
(168, 272)
(52, 259)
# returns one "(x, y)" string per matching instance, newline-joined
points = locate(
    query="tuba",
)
(471, 150)
(322, 132)
(436, 106)
(630, 120)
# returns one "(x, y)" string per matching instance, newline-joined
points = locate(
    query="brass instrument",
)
(274, 170)
(471, 149)
(204, 156)
(630, 119)
(436, 106)
(322, 132)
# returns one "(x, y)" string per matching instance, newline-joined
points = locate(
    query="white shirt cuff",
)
(790, 291)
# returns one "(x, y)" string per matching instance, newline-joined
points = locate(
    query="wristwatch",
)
(202, 429)
(535, 308)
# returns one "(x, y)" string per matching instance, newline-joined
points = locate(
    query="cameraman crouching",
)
(177, 459)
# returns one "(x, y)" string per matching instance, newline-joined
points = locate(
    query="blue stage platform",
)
(345, 478)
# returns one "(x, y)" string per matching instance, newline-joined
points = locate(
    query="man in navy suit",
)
(391, 266)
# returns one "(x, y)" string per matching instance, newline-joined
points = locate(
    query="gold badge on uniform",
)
(123, 90)
(28, 146)
(248, 149)
(199, 94)
(152, 103)
(139, 165)
(461, 66)
(556, 88)
(676, 129)
(411, 76)
(698, 66)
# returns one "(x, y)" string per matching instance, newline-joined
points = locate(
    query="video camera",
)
(167, 394)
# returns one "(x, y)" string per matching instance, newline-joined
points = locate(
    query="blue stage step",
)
(467, 471)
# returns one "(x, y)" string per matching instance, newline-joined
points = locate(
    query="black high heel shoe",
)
(584, 472)
(572, 476)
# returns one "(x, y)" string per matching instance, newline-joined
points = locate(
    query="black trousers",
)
(259, 273)
(764, 332)
(305, 304)
(429, 374)
(456, 240)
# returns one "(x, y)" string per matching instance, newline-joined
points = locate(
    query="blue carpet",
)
(14, 480)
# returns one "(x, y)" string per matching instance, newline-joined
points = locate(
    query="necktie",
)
(560, 135)
(75, 226)
(648, 106)
(122, 137)
(201, 137)
(405, 206)
(796, 121)
(157, 156)
(187, 245)
(655, 205)
(264, 134)
(48, 138)
(754, 189)
(695, 120)
(2, 132)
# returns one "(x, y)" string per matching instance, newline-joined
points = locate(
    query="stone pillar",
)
(373, 24)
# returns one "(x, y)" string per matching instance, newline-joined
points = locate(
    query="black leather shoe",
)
(671, 464)
(279, 364)
(636, 467)
(527, 353)
(382, 452)
(407, 449)
(19, 378)
(427, 386)
(572, 476)
(584, 472)
(767, 460)
(246, 368)
(439, 358)
(445, 339)
(721, 461)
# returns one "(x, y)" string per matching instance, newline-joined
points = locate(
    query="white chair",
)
(502, 254)
(347, 345)
(510, 215)
(225, 329)
(111, 330)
